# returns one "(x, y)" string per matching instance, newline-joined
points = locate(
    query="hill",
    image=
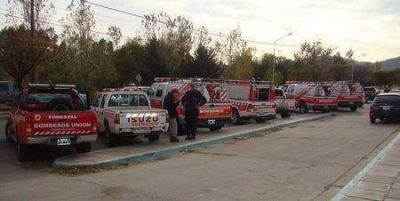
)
(390, 64)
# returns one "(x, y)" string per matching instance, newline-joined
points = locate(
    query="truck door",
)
(100, 111)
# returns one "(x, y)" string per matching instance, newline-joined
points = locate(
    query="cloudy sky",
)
(370, 27)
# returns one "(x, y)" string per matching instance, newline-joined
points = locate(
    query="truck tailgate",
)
(143, 118)
(62, 123)
(215, 110)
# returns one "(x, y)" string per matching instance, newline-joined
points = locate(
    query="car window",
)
(4, 87)
(103, 101)
(159, 91)
(387, 99)
(45, 98)
(97, 101)
(128, 100)
(152, 91)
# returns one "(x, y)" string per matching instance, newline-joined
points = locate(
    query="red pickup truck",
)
(52, 115)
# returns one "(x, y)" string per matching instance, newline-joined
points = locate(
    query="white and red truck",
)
(127, 112)
(250, 99)
(52, 115)
(311, 96)
(213, 115)
(284, 106)
(349, 94)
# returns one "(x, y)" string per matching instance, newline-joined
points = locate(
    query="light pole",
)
(273, 61)
(352, 67)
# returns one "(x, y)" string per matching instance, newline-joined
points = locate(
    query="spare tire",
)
(59, 104)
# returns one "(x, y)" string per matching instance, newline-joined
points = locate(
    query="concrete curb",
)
(150, 155)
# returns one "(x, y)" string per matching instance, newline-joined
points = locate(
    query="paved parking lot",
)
(305, 162)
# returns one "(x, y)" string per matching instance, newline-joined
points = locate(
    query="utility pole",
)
(33, 34)
(273, 59)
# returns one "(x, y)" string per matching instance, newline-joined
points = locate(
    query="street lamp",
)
(273, 61)
(352, 66)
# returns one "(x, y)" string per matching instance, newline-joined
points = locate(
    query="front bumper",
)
(50, 140)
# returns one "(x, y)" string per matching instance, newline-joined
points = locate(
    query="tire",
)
(8, 134)
(260, 120)
(285, 115)
(83, 147)
(154, 138)
(23, 152)
(303, 108)
(59, 104)
(236, 117)
(353, 108)
(214, 128)
(109, 137)
(372, 120)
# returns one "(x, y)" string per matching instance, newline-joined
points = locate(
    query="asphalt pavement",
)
(304, 162)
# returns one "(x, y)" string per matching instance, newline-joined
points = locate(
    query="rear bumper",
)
(392, 115)
(138, 131)
(49, 140)
(207, 123)
(323, 107)
(350, 103)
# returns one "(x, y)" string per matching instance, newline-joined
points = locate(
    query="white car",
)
(127, 112)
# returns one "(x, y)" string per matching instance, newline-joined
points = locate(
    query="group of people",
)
(192, 100)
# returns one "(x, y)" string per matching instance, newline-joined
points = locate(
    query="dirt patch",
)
(114, 192)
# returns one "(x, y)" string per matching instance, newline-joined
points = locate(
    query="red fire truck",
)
(250, 99)
(213, 115)
(311, 96)
(52, 115)
(349, 94)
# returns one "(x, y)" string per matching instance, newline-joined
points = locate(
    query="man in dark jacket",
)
(171, 101)
(192, 100)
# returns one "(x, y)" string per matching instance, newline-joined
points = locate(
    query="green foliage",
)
(204, 64)
(242, 66)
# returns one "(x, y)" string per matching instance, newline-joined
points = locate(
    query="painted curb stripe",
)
(356, 179)
(149, 155)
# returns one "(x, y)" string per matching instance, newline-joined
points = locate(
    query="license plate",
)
(386, 107)
(211, 122)
(63, 142)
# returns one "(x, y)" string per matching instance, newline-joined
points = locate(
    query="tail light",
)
(116, 119)
(28, 127)
(250, 108)
(374, 107)
(94, 127)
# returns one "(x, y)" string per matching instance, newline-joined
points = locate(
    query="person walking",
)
(192, 100)
(171, 102)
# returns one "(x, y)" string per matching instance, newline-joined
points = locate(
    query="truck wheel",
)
(154, 138)
(236, 117)
(303, 108)
(109, 138)
(260, 120)
(214, 128)
(353, 108)
(8, 134)
(83, 147)
(285, 115)
(23, 152)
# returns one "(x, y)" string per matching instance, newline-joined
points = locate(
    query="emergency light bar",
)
(52, 86)
(120, 89)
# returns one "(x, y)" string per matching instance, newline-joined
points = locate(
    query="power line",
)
(193, 29)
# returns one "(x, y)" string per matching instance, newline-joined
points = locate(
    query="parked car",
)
(370, 93)
(52, 115)
(349, 94)
(385, 105)
(284, 105)
(213, 115)
(8, 91)
(311, 96)
(127, 112)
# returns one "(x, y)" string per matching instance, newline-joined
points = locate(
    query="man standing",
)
(171, 101)
(192, 100)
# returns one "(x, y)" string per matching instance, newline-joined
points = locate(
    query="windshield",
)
(45, 98)
(4, 87)
(387, 99)
(128, 100)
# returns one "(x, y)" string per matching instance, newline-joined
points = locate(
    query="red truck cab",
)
(52, 115)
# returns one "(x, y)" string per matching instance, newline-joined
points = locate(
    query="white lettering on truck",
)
(62, 125)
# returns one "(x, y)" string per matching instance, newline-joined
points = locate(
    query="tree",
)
(20, 54)
(242, 66)
(43, 10)
(205, 64)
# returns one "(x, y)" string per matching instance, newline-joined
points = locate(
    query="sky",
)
(370, 27)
